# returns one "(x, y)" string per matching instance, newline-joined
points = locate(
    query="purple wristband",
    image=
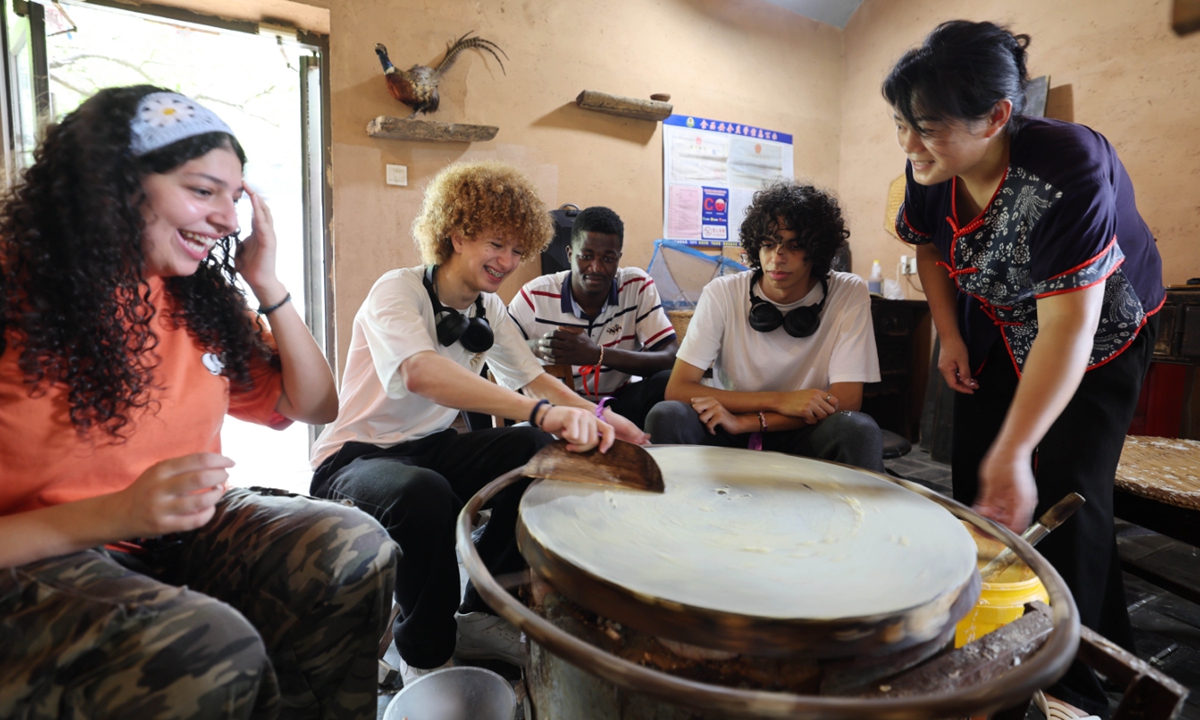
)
(600, 406)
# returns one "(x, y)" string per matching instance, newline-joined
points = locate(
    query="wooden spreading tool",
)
(1053, 517)
(624, 465)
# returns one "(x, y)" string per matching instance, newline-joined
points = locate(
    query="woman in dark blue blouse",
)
(1043, 281)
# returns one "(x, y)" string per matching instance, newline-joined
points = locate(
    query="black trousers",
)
(1079, 454)
(634, 400)
(415, 490)
(851, 438)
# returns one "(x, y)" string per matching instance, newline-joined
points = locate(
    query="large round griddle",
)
(756, 552)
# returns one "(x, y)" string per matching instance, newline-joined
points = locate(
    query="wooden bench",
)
(1158, 487)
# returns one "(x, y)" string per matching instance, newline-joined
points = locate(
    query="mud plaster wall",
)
(743, 60)
(1114, 65)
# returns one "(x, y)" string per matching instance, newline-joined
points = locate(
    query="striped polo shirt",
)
(632, 319)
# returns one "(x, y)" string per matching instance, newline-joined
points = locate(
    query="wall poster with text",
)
(711, 170)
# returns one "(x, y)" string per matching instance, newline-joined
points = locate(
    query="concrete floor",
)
(1166, 627)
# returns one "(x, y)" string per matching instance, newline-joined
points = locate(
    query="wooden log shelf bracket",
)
(624, 106)
(394, 128)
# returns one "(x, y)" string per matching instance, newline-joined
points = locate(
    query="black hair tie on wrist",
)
(268, 310)
(533, 415)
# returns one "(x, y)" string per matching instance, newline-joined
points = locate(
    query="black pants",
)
(634, 400)
(851, 438)
(1079, 454)
(416, 490)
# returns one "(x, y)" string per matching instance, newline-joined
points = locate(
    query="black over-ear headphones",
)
(799, 322)
(475, 333)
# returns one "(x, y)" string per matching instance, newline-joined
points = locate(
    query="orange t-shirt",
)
(44, 461)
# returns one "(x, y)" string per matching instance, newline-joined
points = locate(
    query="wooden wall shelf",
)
(396, 128)
(1185, 19)
(624, 106)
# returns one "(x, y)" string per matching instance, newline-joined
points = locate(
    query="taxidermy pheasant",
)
(417, 87)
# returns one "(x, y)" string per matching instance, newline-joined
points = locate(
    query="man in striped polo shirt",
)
(604, 321)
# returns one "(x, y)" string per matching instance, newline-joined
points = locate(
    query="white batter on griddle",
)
(758, 534)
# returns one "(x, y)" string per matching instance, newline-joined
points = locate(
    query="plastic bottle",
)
(875, 282)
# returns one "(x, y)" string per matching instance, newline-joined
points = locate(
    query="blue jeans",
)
(851, 438)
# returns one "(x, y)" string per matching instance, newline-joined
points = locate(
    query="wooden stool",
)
(680, 319)
(1158, 487)
(562, 372)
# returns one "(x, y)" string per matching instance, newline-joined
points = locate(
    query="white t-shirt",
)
(394, 323)
(745, 360)
(632, 318)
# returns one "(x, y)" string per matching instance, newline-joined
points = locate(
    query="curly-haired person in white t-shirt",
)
(418, 344)
(789, 341)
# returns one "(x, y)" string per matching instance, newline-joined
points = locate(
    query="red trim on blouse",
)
(988, 309)
(528, 299)
(974, 224)
(630, 280)
(1135, 334)
(904, 215)
(1085, 263)
(1082, 287)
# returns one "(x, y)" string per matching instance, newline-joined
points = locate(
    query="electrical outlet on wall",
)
(912, 266)
(397, 175)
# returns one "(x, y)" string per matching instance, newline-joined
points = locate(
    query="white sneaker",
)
(1055, 709)
(412, 673)
(482, 637)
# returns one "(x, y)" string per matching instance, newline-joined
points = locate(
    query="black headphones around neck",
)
(799, 322)
(475, 334)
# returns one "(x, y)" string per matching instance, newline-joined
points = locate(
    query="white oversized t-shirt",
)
(394, 323)
(745, 360)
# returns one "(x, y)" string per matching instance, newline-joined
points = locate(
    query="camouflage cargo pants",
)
(275, 607)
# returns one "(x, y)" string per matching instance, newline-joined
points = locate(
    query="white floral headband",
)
(166, 117)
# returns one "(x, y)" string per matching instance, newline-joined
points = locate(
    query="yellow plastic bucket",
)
(999, 602)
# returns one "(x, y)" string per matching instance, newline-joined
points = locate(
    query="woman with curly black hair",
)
(790, 343)
(125, 341)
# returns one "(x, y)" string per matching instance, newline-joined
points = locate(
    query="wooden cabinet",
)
(1179, 327)
(1169, 405)
(902, 337)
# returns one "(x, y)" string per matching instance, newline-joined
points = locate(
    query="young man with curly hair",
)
(418, 344)
(605, 321)
(790, 343)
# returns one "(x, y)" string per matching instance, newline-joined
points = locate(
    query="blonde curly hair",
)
(471, 197)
